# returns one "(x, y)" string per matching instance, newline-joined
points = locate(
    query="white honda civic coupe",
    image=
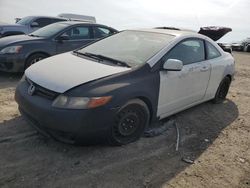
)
(117, 87)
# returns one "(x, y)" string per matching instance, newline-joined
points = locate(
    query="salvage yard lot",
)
(216, 137)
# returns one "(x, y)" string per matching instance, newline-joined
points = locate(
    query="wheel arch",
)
(147, 101)
(34, 53)
(37, 52)
(229, 76)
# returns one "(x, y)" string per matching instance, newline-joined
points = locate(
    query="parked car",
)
(27, 25)
(19, 52)
(246, 45)
(115, 88)
(226, 47)
(237, 46)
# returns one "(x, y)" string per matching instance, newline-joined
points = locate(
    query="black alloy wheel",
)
(130, 122)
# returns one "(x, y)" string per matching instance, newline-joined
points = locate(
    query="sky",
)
(128, 14)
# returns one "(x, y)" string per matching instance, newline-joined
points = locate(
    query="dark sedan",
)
(19, 52)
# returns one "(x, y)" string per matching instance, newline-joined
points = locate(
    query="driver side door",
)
(180, 89)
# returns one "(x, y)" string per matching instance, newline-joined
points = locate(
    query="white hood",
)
(65, 71)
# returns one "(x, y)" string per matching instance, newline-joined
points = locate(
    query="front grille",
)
(43, 92)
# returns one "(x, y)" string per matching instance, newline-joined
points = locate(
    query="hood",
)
(11, 25)
(6, 41)
(65, 71)
(214, 32)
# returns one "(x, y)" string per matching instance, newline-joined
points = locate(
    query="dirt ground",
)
(215, 137)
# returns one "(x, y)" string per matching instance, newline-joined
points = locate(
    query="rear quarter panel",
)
(220, 68)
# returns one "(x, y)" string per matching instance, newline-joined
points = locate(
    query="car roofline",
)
(175, 33)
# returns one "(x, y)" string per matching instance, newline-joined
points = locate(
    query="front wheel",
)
(130, 122)
(34, 59)
(222, 90)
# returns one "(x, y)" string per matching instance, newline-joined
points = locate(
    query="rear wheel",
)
(222, 90)
(34, 59)
(130, 122)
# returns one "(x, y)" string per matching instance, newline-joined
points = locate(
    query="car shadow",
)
(29, 160)
(8, 80)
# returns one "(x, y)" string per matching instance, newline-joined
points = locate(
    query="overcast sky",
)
(127, 14)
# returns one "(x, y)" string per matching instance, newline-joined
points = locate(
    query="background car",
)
(226, 47)
(117, 87)
(237, 46)
(19, 52)
(246, 45)
(27, 25)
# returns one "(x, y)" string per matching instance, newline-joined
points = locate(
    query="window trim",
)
(68, 28)
(186, 39)
(206, 50)
(35, 20)
(104, 27)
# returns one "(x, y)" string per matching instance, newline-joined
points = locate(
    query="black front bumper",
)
(12, 62)
(64, 124)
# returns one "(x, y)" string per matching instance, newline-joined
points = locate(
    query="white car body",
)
(162, 85)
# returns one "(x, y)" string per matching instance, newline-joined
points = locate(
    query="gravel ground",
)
(214, 137)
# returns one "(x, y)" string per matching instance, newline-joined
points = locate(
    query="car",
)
(237, 46)
(226, 47)
(246, 45)
(19, 52)
(27, 25)
(116, 88)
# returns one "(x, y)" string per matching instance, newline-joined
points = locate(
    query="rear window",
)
(212, 51)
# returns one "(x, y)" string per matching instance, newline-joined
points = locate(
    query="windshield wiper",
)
(115, 61)
(88, 55)
(102, 57)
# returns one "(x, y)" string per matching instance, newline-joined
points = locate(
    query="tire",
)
(222, 91)
(33, 59)
(130, 123)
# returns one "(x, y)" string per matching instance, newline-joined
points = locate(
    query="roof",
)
(169, 31)
(40, 16)
(78, 17)
(77, 22)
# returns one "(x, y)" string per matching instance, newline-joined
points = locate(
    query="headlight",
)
(11, 50)
(63, 101)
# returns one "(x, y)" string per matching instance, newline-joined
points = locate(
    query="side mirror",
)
(62, 38)
(34, 24)
(173, 65)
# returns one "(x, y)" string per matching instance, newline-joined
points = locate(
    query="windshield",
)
(50, 30)
(25, 20)
(132, 47)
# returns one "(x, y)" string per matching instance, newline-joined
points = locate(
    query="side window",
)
(56, 20)
(78, 33)
(188, 51)
(100, 32)
(42, 22)
(212, 52)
